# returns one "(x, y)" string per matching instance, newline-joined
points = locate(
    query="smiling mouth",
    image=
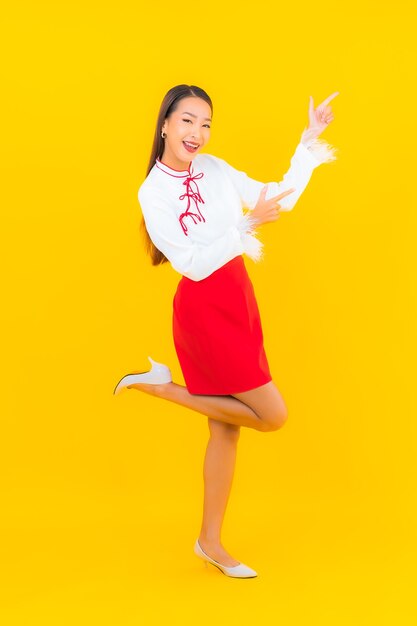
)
(190, 147)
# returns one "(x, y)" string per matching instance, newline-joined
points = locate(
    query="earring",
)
(163, 134)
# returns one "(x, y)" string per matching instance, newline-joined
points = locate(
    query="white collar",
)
(173, 172)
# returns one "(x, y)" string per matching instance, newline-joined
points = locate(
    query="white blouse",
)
(195, 217)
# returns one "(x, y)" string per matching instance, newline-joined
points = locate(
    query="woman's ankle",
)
(210, 540)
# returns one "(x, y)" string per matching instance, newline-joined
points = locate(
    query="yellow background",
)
(101, 494)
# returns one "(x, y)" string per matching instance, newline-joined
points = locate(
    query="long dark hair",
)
(169, 105)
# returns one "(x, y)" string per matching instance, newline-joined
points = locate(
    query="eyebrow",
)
(192, 115)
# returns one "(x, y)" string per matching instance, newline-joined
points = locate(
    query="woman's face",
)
(189, 124)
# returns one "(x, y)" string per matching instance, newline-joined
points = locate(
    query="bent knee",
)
(276, 421)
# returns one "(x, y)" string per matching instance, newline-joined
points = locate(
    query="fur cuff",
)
(320, 148)
(253, 246)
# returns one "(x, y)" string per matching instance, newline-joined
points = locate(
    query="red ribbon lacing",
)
(192, 193)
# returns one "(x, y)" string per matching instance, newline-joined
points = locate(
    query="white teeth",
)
(191, 144)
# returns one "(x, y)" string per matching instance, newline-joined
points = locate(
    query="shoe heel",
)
(235, 571)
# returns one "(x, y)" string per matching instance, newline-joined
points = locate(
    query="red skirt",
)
(218, 333)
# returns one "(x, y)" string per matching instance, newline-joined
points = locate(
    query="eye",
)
(184, 119)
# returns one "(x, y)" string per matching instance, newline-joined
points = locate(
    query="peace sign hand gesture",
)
(319, 118)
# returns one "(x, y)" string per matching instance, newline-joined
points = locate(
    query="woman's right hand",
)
(268, 210)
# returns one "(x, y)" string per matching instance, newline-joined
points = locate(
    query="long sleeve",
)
(196, 261)
(308, 155)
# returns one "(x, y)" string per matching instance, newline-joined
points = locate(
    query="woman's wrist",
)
(308, 135)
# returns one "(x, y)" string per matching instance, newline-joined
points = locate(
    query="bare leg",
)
(219, 466)
(262, 409)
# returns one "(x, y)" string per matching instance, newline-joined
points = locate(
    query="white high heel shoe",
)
(236, 571)
(158, 374)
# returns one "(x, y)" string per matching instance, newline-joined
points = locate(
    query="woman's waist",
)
(233, 268)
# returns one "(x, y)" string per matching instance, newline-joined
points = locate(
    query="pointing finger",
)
(311, 107)
(284, 193)
(327, 100)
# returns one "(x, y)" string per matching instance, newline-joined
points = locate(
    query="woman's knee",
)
(268, 404)
(279, 419)
(273, 422)
(276, 418)
(223, 429)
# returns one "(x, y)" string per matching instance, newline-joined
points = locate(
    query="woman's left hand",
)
(320, 118)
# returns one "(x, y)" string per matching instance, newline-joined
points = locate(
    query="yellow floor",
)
(312, 569)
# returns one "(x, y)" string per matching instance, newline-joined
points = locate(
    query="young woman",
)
(192, 205)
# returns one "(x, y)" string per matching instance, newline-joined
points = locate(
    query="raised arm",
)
(309, 154)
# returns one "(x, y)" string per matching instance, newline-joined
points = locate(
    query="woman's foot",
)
(216, 552)
(158, 374)
(153, 390)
